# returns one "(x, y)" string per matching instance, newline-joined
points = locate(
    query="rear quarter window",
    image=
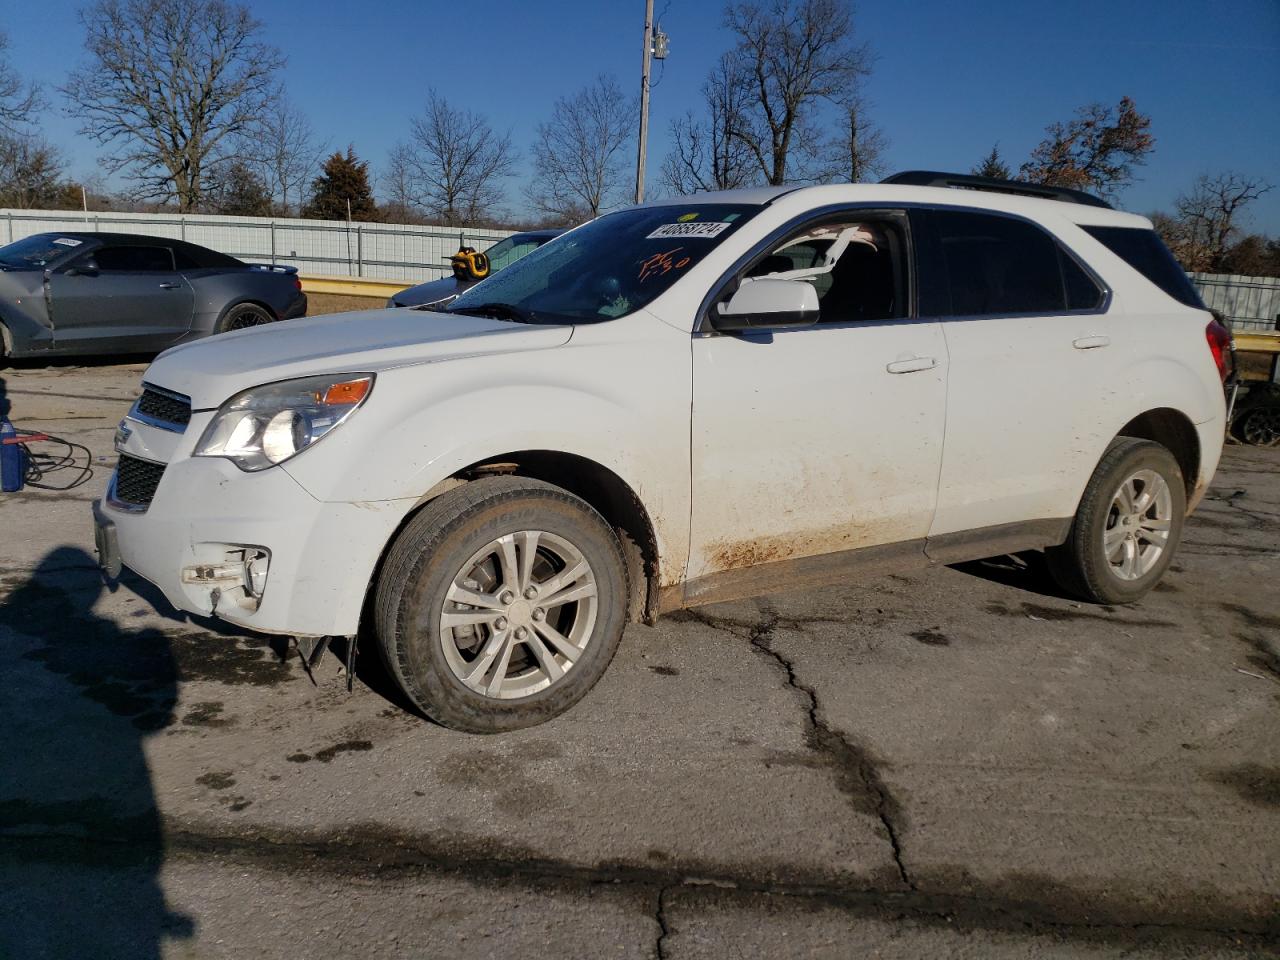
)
(1145, 252)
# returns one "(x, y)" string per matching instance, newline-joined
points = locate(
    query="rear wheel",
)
(1127, 527)
(501, 604)
(244, 315)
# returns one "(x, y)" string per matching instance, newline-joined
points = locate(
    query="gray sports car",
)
(77, 293)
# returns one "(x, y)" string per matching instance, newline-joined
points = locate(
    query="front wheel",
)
(501, 604)
(1127, 527)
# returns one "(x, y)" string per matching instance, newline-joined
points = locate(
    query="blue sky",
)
(950, 79)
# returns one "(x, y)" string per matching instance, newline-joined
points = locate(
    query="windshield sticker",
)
(68, 242)
(685, 218)
(662, 263)
(683, 230)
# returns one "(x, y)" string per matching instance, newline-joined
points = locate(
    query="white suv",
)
(689, 401)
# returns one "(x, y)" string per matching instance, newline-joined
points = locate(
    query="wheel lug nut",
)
(506, 597)
(500, 623)
(539, 613)
(530, 593)
(521, 633)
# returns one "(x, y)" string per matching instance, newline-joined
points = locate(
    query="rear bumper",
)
(297, 308)
(321, 557)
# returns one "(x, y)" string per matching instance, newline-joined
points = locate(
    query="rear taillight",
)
(297, 284)
(1220, 346)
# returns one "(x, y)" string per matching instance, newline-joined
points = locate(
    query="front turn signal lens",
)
(350, 391)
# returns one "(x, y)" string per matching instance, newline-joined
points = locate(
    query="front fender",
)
(423, 424)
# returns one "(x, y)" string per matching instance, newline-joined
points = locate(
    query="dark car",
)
(437, 293)
(68, 293)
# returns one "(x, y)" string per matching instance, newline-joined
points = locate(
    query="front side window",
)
(856, 266)
(141, 259)
(609, 267)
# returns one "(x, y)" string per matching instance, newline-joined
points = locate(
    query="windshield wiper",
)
(496, 311)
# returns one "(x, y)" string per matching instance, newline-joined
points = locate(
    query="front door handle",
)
(1090, 343)
(170, 286)
(913, 365)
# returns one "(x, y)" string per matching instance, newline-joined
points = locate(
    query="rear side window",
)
(1082, 292)
(986, 264)
(1145, 252)
(190, 257)
(151, 259)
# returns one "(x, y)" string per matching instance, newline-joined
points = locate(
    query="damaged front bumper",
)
(254, 549)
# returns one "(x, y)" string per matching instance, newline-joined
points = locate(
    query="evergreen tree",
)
(343, 178)
(993, 165)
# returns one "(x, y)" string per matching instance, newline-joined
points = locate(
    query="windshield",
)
(38, 251)
(608, 267)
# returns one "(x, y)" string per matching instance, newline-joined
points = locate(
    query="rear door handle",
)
(170, 286)
(1090, 343)
(913, 365)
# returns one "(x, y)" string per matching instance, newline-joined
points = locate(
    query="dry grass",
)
(318, 303)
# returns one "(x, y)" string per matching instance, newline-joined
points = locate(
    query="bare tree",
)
(993, 165)
(578, 153)
(1098, 150)
(30, 172)
(281, 147)
(18, 101)
(398, 187)
(858, 152)
(454, 165)
(1209, 218)
(704, 154)
(792, 56)
(167, 84)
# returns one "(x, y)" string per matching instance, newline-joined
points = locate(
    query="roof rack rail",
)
(966, 181)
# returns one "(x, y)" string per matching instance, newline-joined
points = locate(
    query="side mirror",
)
(86, 268)
(766, 303)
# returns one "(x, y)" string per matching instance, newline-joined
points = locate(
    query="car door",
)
(119, 297)
(822, 439)
(1029, 342)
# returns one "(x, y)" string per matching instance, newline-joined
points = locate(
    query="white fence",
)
(1252, 303)
(327, 247)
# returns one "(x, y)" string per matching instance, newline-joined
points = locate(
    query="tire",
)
(1260, 425)
(1081, 566)
(453, 548)
(242, 316)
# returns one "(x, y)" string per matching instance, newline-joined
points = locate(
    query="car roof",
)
(897, 193)
(114, 237)
(547, 232)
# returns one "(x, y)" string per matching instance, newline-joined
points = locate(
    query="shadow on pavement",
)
(1022, 571)
(81, 843)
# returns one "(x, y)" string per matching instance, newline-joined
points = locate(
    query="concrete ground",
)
(956, 764)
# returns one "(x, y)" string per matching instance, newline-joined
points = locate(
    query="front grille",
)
(136, 481)
(167, 408)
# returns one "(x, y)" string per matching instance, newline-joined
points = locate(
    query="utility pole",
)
(644, 101)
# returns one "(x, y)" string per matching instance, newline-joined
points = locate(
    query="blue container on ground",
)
(13, 458)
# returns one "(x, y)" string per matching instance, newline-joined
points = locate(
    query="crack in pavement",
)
(1264, 520)
(664, 926)
(858, 774)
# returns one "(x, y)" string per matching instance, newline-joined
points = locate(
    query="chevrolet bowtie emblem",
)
(123, 433)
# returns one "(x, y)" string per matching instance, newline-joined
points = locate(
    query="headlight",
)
(266, 425)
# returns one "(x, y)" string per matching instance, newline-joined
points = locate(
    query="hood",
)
(433, 291)
(211, 370)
